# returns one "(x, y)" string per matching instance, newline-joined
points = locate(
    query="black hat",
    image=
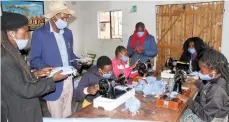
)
(12, 21)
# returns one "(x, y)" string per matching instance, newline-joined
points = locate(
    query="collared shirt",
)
(61, 45)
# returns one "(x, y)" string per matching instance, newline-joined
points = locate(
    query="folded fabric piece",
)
(140, 85)
(66, 70)
(148, 89)
(158, 88)
(133, 105)
(172, 95)
(152, 87)
(151, 79)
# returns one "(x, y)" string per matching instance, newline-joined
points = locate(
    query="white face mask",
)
(21, 43)
(61, 24)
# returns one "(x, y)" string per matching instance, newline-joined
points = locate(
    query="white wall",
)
(145, 12)
(85, 27)
(225, 38)
(107, 47)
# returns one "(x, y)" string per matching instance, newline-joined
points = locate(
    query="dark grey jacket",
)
(91, 78)
(19, 89)
(213, 101)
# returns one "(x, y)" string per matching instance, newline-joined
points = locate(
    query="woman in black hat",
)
(20, 88)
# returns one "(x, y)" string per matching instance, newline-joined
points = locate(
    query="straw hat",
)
(56, 7)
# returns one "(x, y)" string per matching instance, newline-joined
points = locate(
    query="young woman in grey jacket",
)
(213, 102)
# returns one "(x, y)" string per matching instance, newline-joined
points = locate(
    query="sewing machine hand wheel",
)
(179, 78)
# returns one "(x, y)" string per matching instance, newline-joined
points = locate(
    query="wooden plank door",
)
(176, 23)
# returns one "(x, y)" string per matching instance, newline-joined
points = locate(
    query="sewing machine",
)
(144, 69)
(172, 65)
(168, 99)
(113, 93)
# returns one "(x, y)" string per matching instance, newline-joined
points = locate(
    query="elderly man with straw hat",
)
(52, 45)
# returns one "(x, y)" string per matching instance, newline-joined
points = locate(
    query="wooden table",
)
(148, 111)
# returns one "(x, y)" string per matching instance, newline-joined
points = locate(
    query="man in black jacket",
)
(20, 88)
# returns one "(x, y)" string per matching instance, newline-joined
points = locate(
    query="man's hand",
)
(195, 54)
(140, 52)
(93, 89)
(43, 72)
(134, 49)
(58, 76)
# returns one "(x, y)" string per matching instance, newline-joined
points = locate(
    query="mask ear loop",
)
(13, 36)
(101, 71)
(56, 18)
(121, 54)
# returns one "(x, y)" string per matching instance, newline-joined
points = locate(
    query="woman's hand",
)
(43, 72)
(192, 80)
(182, 97)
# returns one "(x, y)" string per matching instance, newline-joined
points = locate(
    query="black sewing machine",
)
(107, 87)
(174, 65)
(144, 68)
(179, 78)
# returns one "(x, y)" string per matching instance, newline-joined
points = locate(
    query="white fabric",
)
(122, 66)
(62, 107)
(85, 91)
(66, 70)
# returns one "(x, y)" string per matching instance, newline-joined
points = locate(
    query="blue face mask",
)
(205, 77)
(21, 43)
(107, 76)
(61, 24)
(192, 50)
(124, 58)
(140, 34)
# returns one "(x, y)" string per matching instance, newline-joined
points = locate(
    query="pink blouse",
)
(122, 67)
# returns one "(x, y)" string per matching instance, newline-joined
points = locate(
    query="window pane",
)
(104, 29)
(104, 16)
(116, 20)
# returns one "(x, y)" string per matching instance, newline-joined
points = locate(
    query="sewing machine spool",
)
(179, 78)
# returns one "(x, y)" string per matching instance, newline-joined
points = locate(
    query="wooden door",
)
(176, 23)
